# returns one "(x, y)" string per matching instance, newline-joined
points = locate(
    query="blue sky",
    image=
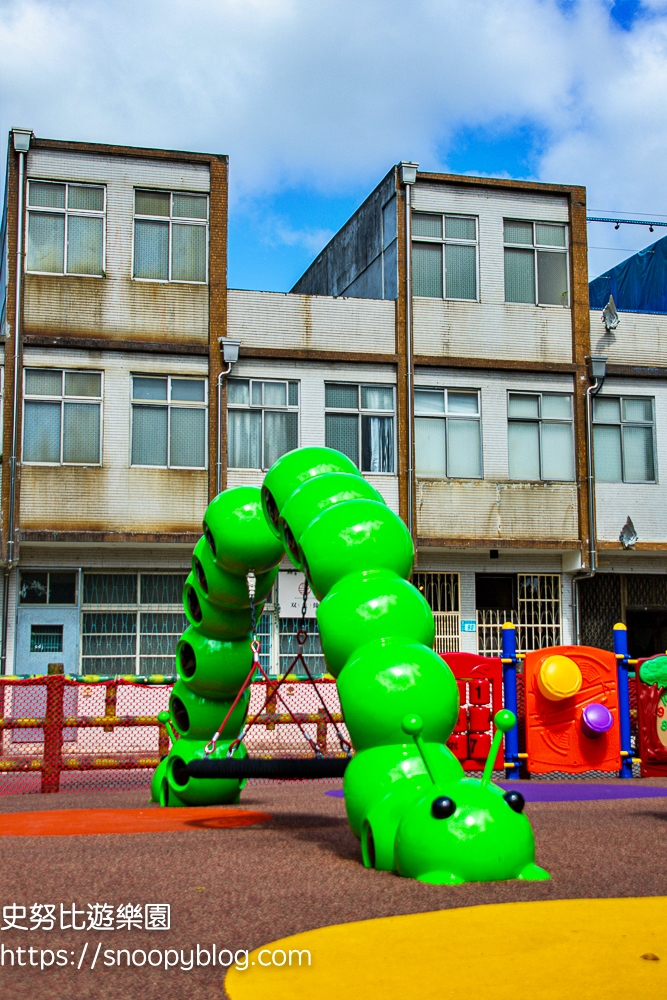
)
(314, 102)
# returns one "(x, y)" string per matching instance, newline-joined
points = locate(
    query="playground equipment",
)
(377, 634)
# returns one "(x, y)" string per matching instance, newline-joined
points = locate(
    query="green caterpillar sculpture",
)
(406, 795)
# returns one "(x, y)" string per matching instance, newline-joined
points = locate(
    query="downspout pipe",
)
(21, 139)
(598, 370)
(408, 173)
(230, 353)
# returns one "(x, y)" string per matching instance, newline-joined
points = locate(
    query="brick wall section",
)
(217, 310)
(12, 208)
(580, 346)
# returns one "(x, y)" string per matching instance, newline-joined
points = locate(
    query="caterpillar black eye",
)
(443, 807)
(515, 801)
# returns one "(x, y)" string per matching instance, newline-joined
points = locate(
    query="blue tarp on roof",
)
(638, 284)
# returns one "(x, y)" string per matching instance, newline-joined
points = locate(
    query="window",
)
(540, 441)
(131, 622)
(536, 263)
(262, 422)
(170, 236)
(311, 649)
(442, 591)
(46, 638)
(623, 432)
(363, 428)
(47, 588)
(66, 228)
(62, 417)
(448, 436)
(531, 601)
(168, 422)
(444, 256)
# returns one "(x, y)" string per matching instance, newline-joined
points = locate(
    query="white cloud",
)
(330, 94)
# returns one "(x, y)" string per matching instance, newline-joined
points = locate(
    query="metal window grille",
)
(442, 591)
(312, 648)
(538, 618)
(46, 639)
(131, 622)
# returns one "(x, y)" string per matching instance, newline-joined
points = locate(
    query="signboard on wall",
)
(468, 625)
(291, 586)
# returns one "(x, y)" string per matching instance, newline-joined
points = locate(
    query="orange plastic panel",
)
(554, 739)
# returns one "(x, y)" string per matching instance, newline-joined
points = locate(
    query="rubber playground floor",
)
(594, 930)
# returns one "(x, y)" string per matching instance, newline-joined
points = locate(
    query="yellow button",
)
(559, 677)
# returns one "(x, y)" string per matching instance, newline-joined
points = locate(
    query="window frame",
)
(91, 400)
(262, 407)
(66, 212)
(628, 423)
(168, 403)
(447, 416)
(443, 241)
(540, 420)
(366, 412)
(536, 247)
(171, 220)
(47, 603)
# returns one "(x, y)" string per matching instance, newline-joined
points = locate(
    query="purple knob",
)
(595, 720)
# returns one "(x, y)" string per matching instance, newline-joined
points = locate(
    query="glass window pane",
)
(189, 390)
(552, 278)
(426, 224)
(460, 271)
(293, 394)
(342, 432)
(549, 235)
(41, 432)
(188, 253)
(606, 409)
(427, 401)
(46, 242)
(110, 588)
(524, 451)
(33, 588)
(427, 270)
(85, 199)
(607, 451)
(151, 250)
(85, 245)
(457, 228)
(146, 387)
(244, 431)
(521, 405)
(151, 202)
(557, 451)
(41, 194)
(83, 384)
(377, 397)
(237, 391)
(256, 393)
(81, 433)
(149, 435)
(189, 206)
(188, 437)
(638, 454)
(464, 453)
(519, 276)
(62, 588)
(430, 447)
(638, 409)
(462, 402)
(280, 435)
(377, 444)
(43, 382)
(557, 407)
(518, 232)
(341, 397)
(275, 394)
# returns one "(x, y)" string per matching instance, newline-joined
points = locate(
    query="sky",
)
(315, 101)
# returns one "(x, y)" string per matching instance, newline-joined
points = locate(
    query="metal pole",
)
(218, 463)
(510, 663)
(408, 351)
(622, 667)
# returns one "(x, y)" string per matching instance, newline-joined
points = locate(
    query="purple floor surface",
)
(571, 791)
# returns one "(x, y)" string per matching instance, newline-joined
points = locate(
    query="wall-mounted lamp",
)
(22, 138)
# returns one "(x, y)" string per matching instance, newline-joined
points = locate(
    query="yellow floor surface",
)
(589, 949)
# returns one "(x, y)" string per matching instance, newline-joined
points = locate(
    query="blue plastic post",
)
(510, 662)
(623, 665)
